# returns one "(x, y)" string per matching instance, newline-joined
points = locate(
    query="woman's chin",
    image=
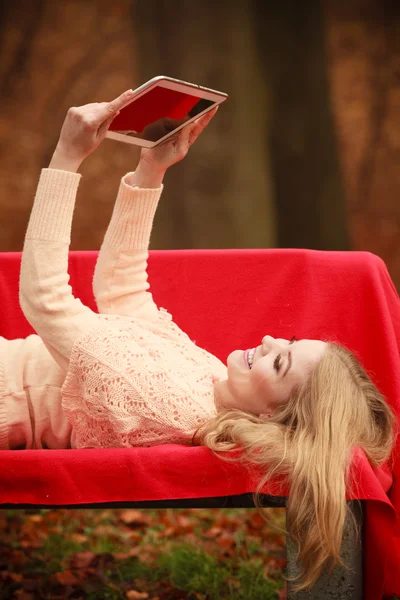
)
(237, 358)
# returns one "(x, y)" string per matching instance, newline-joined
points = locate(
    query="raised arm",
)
(120, 278)
(45, 295)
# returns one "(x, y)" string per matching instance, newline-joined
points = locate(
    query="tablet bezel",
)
(173, 84)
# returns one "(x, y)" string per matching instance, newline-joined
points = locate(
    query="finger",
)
(103, 109)
(104, 126)
(120, 102)
(183, 135)
(201, 124)
(207, 116)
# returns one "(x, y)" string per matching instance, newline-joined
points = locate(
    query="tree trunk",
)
(220, 195)
(55, 55)
(309, 197)
(364, 59)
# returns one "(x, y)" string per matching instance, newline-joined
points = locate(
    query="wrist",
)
(63, 163)
(147, 175)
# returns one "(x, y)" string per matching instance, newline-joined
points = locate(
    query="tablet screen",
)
(158, 112)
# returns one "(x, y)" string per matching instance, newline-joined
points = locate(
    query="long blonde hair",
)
(309, 441)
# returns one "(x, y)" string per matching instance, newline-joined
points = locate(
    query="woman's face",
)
(278, 365)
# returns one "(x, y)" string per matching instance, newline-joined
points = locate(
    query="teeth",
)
(250, 357)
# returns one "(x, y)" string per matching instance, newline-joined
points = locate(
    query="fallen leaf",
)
(132, 552)
(105, 530)
(35, 518)
(79, 538)
(225, 541)
(81, 560)
(134, 517)
(213, 532)
(256, 521)
(66, 578)
(134, 595)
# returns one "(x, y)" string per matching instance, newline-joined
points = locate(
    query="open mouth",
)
(249, 356)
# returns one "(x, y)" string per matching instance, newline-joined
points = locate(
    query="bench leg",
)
(343, 585)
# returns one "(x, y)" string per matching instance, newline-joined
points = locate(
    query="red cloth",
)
(224, 300)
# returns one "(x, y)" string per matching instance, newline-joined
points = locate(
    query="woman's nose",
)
(267, 342)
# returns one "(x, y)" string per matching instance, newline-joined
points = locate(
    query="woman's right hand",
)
(85, 127)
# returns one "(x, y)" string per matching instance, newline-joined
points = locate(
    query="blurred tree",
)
(309, 197)
(363, 41)
(273, 167)
(220, 196)
(265, 173)
(54, 55)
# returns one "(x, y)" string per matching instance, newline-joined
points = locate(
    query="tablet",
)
(160, 108)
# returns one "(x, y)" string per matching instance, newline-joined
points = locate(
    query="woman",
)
(129, 376)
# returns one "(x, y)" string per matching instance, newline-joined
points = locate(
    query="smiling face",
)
(278, 366)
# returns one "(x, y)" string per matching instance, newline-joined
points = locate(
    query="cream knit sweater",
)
(124, 377)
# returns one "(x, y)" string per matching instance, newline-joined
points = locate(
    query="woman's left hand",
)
(177, 146)
(85, 127)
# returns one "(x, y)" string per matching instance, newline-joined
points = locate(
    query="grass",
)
(196, 554)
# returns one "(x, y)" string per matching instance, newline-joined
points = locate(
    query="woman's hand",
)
(158, 129)
(85, 128)
(175, 148)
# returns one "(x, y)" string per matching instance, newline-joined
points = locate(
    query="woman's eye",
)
(277, 365)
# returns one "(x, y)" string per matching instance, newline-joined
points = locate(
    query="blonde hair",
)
(309, 441)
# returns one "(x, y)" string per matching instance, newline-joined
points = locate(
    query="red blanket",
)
(228, 299)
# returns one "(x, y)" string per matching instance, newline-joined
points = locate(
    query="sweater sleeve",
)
(45, 295)
(120, 277)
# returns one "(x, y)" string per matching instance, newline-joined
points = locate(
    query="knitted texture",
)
(125, 376)
(133, 382)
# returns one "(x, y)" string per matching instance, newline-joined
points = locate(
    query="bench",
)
(283, 292)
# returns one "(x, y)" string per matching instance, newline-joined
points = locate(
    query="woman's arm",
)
(45, 295)
(120, 276)
(120, 279)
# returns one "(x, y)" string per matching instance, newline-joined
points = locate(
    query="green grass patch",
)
(196, 572)
(200, 554)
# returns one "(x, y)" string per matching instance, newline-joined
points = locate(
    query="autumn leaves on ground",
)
(166, 554)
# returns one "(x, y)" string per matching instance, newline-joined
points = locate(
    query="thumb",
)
(104, 126)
